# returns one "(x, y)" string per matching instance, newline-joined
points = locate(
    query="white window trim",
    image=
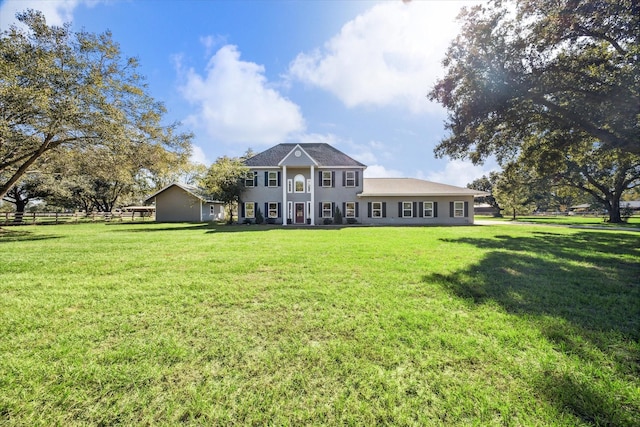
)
(289, 210)
(329, 179)
(253, 209)
(404, 210)
(275, 209)
(309, 185)
(352, 179)
(249, 179)
(458, 206)
(353, 210)
(425, 208)
(374, 210)
(274, 179)
(298, 179)
(326, 214)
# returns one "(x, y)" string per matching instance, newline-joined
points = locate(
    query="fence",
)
(42, 218)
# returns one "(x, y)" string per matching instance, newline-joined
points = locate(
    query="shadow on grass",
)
(7, 236)
(582, 291)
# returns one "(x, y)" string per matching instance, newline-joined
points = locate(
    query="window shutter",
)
(320, 209)
(357, 178)
(344, 178)
(266, 178)
(279, 182)
(384, 209)
(415, 209)
(344, 208)
(333, 208)
(399, 209)
(435, 209)
(320, 178)
(255, 179)
(451, 209)
(357, 209)
(242, 210)
(333, 178)
(369, 209)
(266, 210)
(466, 209)
(421, 209)
(279, 209)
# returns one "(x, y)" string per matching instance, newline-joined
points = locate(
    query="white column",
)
(313, 194)
(285, 210)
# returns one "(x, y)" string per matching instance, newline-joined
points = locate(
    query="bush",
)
(327, 221)
(337, 216)
(352, 221)
(259, 216)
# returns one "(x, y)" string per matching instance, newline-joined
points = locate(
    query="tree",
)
(72, 90)
(486, 183)
(225, 181)
(589, 166)
(532, 67)
(513, 190)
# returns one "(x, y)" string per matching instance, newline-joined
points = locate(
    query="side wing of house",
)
(174, 204)
(418, 210)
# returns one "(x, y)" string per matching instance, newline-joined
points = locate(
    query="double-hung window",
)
(272, 179)
(327, 211)
(428, 210)
(407, 209)
(249, 210)
(376, 209)
(272, 208)
(327, 179)
(350, 210)
(350, 179)
(458, 209)
(249, 179)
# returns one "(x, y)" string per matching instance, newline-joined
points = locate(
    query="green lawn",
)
(574, 220)
(252, 325)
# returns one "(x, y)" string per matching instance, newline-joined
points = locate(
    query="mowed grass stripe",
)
(204, 324)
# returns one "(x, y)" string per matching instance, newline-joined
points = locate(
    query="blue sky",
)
(251, 74)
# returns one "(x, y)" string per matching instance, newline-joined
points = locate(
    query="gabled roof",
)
(411, 187)
(197, 192)
(324, 155)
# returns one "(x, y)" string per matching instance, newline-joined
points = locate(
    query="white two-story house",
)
(306, 183)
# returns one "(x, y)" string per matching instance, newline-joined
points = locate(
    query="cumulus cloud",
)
(459, 172)
(198, 155)
(235, 103)
(57, 12)
(389, 55)
(379, 171)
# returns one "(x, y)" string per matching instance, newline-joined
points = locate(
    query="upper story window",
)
(299, 183)
(249, 180)
(350, 179)
(272, 180)
(327, 179)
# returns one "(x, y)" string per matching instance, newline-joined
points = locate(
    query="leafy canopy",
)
(72, 90)
(530, 67)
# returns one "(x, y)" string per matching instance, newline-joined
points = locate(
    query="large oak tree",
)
(529, 67)
(65, 90)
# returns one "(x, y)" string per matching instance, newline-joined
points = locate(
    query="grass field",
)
(572, 220)
(251, 325)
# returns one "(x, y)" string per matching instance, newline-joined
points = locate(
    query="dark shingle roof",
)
(323, 154)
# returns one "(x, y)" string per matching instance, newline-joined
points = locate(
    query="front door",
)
(299, 213)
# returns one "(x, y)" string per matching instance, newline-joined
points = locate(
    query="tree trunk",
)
(614, 212)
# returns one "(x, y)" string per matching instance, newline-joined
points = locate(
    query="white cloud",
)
(459, 172)
(235, 103)
(379, 171)
(57, 12)
(198, 155)
(389, 55)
